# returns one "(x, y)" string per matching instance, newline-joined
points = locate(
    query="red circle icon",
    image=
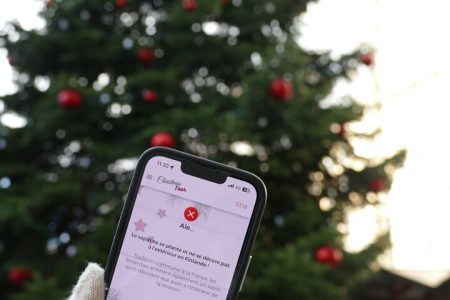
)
(191, 214)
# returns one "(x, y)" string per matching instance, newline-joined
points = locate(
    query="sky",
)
(24, 11)
(409, 79)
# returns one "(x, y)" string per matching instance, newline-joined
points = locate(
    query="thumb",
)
(90, 285)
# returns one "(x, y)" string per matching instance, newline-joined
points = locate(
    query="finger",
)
(90, 285)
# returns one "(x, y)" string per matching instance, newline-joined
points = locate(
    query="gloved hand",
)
(90, 285)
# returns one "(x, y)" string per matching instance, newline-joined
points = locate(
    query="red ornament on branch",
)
(162, 139)
(145, 56)
(367, 59)
(377, 185)
(281, 89)
(70, 98)
(329, 255)
(342, 130)
(17, 275)
(150, 95)
(121, 4)
(190, 5)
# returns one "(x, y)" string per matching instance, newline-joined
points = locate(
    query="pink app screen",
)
(184, 236)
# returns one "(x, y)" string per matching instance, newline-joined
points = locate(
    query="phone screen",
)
(184, 236)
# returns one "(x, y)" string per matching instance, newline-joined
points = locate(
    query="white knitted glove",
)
(90, 285)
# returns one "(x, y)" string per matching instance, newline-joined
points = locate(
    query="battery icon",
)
(247, 190)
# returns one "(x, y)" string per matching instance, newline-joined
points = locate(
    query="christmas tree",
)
(222, 79)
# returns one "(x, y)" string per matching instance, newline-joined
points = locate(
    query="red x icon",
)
(191, 214)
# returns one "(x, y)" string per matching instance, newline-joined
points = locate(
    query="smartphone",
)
(186, 230)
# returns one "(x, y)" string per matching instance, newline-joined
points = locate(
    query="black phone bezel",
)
(252, 229)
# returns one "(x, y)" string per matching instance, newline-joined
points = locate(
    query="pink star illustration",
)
(140, 225)
(161, 213)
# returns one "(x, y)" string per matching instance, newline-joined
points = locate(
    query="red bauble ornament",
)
(145, 55)
(190, 5)
(70, 98)
(377, 185)
(150, 95)
(367, 59)
(328, 255)
(281, 89)
(17, 276)
(121, 3)
(342, 130)
(10, 59)
(162, 139)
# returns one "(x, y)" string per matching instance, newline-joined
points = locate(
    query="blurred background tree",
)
(223, 79)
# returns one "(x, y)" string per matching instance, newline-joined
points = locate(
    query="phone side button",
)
(245, 273)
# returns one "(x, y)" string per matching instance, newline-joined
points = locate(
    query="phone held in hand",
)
(186, 230)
